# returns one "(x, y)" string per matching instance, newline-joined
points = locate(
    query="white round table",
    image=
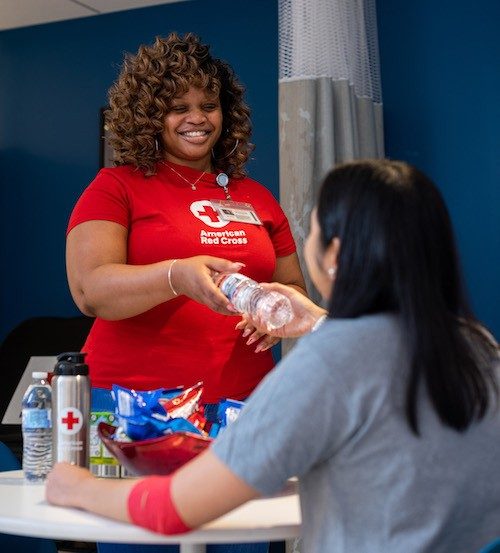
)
(24, 511)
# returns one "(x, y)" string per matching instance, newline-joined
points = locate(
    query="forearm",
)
(174, 504)
(105, 497)
(118, 291)
(169, 505)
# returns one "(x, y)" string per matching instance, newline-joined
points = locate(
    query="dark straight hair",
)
(398, 253)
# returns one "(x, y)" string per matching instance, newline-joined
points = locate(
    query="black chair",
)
(35, 336)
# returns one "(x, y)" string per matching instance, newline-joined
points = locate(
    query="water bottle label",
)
(36, 418)
(230, 283)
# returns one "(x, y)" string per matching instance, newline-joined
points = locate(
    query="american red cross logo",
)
(204, 211)
(70, 420)
(210, 212)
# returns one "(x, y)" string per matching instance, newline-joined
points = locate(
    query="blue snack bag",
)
(141, 414)
(142, 427)
(228, 411)
(129, 403)
(181, 425)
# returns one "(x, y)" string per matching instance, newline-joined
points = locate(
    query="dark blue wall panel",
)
(53, 81)
(440, 83)
(440, 87)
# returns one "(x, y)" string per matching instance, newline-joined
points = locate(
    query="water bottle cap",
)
(39, 374)
(71, 364)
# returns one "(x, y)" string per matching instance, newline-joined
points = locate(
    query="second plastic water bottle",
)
(37, 429)
(247, 296)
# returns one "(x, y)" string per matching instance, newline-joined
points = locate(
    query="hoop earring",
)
(227, 155)
(157, 145)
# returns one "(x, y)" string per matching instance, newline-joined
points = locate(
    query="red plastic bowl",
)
(161, 455)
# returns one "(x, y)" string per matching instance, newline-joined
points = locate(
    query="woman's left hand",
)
(248, 328)
(71, 486)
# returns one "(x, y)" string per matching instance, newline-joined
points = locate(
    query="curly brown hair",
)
(142, 95)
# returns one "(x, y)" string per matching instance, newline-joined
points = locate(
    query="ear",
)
(330, 257)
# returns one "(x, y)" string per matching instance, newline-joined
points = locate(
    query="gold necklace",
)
(222, 180)
(191, 184)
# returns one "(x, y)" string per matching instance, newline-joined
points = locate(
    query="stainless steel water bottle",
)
(71, 409)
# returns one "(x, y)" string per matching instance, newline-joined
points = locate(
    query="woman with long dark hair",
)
(398, 255)
(387, 411)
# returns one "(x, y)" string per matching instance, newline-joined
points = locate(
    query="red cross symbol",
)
(69, 420)
(210, 212)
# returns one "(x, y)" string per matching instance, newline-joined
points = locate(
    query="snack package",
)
(101, 463)
(131, 402)
(228, 411)
(154, 413)
(150, 414)
(198, 419)
(214, 430)
(184, 404)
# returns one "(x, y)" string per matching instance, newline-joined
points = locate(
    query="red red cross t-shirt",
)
(181, 342)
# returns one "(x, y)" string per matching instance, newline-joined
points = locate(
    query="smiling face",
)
(192, 127)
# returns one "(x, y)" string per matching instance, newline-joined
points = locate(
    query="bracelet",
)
(319, 322)
(169, 276)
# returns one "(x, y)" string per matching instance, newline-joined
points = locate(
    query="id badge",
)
(239, 212)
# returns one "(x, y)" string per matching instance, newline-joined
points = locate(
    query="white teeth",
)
(194, 133)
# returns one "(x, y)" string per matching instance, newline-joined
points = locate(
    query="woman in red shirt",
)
(146, 237)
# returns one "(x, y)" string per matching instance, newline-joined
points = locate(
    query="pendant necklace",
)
(221, 179)
(191, 184)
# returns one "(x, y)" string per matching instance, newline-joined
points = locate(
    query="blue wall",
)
(440, 84)
(440, 89)
(53, 81)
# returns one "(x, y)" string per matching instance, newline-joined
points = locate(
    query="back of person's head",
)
(398, 254)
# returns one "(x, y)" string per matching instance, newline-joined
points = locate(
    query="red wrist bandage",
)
(150, 505)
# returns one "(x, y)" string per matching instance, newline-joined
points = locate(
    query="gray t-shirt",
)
(332, 413)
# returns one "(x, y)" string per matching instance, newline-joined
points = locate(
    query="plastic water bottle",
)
(247, 296)
(37, 428)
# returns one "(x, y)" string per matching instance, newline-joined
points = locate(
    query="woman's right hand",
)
(193, 277)
(104, 285)
(305, 313)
